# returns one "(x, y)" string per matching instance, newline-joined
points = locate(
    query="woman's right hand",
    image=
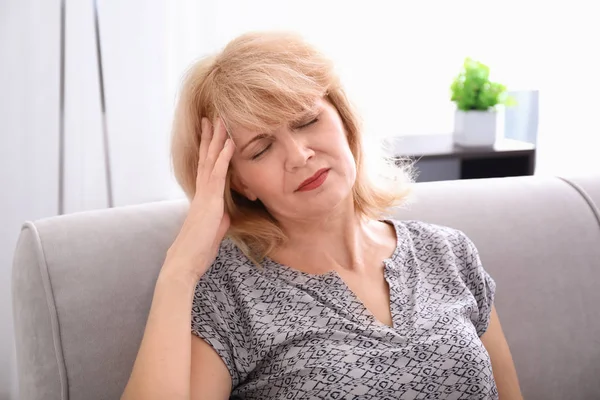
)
(198, 241)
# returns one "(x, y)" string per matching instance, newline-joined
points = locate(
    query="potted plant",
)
(476, 98)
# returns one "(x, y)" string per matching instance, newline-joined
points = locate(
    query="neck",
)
(340, 240)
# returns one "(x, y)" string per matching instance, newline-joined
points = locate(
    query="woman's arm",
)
(162, 367)
(503, 367)
(172, 363)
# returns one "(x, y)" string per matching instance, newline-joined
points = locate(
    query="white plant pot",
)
(475, 128)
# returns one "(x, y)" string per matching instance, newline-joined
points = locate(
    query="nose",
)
(297, 152)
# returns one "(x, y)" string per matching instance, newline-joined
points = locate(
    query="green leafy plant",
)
(473, 90)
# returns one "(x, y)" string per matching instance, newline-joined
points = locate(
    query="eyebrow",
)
(311, 113)
(254, 139)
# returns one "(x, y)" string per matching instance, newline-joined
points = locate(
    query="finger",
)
(216, 144)
(205, 136)
(222, 165)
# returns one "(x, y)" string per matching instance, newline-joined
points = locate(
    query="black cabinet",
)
(438, 158)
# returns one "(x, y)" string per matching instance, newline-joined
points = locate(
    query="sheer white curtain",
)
(398, 58)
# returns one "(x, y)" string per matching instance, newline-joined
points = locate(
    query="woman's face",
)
(271, 166)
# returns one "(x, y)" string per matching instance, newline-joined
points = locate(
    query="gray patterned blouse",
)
(286, 334)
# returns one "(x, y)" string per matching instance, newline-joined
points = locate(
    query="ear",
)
(241, 188)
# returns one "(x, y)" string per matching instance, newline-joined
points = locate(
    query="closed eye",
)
(308, 123)
(257, 155)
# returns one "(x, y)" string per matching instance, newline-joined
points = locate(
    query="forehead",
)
(241, 134)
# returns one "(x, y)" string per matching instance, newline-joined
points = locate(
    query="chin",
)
(327, 201)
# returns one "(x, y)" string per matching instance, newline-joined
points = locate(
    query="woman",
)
(315, 292)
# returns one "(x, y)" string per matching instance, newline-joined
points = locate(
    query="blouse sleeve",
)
(479, 282)
(213, 321)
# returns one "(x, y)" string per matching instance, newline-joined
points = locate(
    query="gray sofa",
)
(83, 283)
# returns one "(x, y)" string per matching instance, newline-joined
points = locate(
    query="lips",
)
(312, 178)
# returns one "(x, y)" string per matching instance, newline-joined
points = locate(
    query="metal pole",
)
(107, 169)
(61, 117)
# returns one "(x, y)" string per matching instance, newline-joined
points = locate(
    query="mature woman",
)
(298, 283)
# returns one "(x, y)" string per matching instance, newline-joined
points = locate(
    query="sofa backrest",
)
(83, 283)
(539, 238)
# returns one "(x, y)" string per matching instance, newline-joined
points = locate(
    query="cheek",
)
(347, 159)
(262, 177)
(343, 148)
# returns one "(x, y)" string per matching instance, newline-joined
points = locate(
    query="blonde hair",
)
(259, 81)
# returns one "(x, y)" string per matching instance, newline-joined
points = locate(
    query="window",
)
(397, 59)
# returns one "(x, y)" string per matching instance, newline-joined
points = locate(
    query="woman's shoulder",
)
(427, 236)
(230, 267)
(436, 246)
(427, 230)
(228, 256)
